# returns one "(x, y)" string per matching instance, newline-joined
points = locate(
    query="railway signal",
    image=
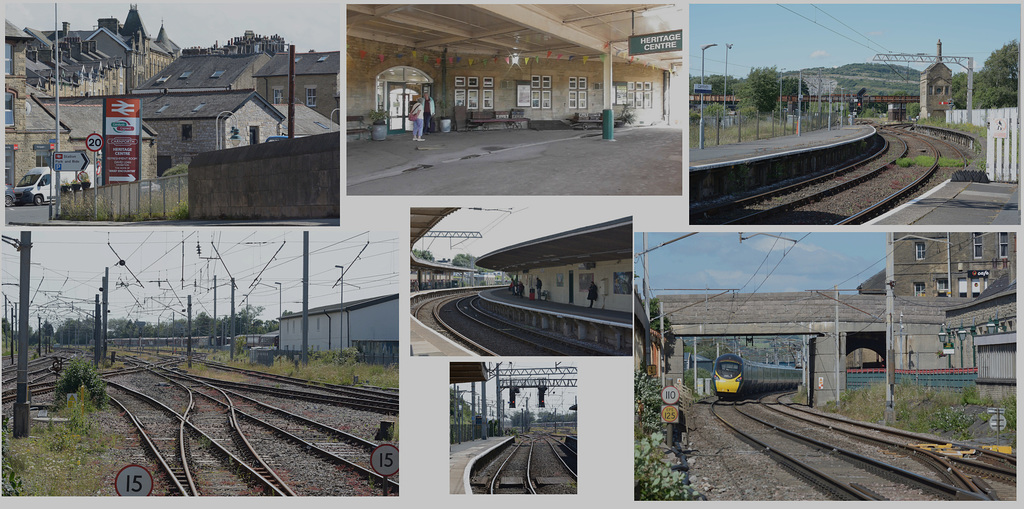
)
(540, 394)
(512, 397)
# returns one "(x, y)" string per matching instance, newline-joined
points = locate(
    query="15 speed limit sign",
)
(134, 481)
(384, 460)
(94, 142)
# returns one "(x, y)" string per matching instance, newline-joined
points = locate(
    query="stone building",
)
(984, 335)
(317, 78)
(16, 109)
(925, 262)
(206, 73)
(936, 87)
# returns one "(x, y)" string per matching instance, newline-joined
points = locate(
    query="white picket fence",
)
(1002, 155)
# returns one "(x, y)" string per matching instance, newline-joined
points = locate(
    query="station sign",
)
(701, 88)
(122, 131)
(70, 161)
(660, 42)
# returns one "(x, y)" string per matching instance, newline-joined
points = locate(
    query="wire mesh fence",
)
(159, 198)
(729, 129)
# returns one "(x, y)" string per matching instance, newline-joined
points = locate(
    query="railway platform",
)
(728, 155)
(502, 295)
(959, 203)
(460, 460)
(426, 342)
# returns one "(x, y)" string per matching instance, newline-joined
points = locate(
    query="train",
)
(736, 378)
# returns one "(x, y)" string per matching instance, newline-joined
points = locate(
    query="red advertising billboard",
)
(122, 130)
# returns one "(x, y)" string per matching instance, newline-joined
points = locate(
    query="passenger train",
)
(735, 377)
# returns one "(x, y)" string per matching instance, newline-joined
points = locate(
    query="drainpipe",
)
(328, 315)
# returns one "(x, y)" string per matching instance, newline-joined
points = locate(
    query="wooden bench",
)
(511, 118)
(585, 120)
(355, 126)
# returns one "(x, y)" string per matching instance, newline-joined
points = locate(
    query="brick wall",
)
(364, 64)
(299, 178)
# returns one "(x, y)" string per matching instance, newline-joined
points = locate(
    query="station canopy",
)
(612, 240)
(424, 219)
(500, 30)
(465, 372)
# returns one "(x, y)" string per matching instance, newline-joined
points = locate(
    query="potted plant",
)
(379, 130)
(444, 122)
(86, 184)
(76, 186)
(65, 187)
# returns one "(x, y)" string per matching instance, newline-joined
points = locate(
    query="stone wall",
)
(206, 130)
(326, 91)
(366, 59)
(298, 178)
(933, 266)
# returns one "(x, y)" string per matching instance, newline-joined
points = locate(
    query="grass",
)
(981, 132)
(926, 161)
(82, 209)
(324, 369)
(64, 459)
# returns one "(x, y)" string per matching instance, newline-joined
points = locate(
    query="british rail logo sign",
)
(122, 128)
(660, 42)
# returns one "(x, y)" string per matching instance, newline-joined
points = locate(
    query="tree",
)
(423, 255)
(463, 260)
(761, 89)
(996, 84)
(959, 89)
(655, 312)
(913, 110)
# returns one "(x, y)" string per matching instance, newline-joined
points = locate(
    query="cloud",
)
(820, 54)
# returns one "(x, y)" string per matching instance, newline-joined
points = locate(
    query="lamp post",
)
(341, 307)
(280, 311)
(725, 92)
(944, 340)
(220, 134)
(781, 121)
(701, 135)
(799, 102)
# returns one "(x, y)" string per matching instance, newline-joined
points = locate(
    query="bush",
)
(12, 482)
(646, 403)
(952, 419)
(81, 373)
(654, 479)
(176, 170)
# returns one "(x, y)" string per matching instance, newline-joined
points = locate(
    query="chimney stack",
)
(938, 50)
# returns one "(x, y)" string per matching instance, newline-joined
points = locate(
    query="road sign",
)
(699, 88)
(997, 422)
(670, 395)
(1000, 128)
(70, 161)
(669, 413)
(134, 481)
(384, 460)
(94, 142)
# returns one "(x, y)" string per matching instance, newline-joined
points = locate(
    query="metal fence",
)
(146, 199)
(954, 378)
(729, 129)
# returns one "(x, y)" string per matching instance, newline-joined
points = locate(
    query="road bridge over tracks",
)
(811, 316)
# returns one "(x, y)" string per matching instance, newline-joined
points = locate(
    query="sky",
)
(767, 35)
(556, 398)
(503, 227)
(74, 275)
(309, 26)
(763, 263)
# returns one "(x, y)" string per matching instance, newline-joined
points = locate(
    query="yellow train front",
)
(735, 378)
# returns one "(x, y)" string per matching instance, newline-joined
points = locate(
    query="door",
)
(398, 98)
(572, 288)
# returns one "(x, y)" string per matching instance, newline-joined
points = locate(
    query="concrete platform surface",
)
(960, 203)
(578, 309)
(426, 342)
(460, 456)
(520, 162)
(724, 154)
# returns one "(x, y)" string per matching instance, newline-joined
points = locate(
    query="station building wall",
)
(367, 59)
(613, 293)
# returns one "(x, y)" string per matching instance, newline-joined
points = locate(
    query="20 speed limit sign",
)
(134, 481)
(384, 460)
(94, 142)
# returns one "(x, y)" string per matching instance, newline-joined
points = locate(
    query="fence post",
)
(739, 128)
(718, 129)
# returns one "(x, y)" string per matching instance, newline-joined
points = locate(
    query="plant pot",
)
(65, 188)
(378, 132)
(446, 125)
(86, 185)
(76, 187)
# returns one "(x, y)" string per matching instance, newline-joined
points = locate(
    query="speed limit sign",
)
(134, 481)
(384, 460)
(94, 142)
(670, 395)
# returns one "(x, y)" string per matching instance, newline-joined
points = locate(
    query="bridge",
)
(836, 98)
(812, 317)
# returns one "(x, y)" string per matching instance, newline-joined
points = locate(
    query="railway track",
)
(535, 464)
(835, 471)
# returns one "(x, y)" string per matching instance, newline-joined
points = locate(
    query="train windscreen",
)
(727, 368)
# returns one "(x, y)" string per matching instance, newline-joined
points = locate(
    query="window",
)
(322, 125)
(8, 109)
(278, 95)
(572, 83)
(545, 99)
(162, 79)
(254, 134)
(978, 246)
(919, 248)
(322, 58)
(186, 132)
(535, 81)
(311, 97)
(185, 75)
(9, 164)
(918, 289)
(581, 83)
(43, 155)
(1004, 245)
(217, 74)
(581, 99)
(942, 286)
(545, 81)
(199, 107)
(962, 287)
(8, 59)
(162, 108)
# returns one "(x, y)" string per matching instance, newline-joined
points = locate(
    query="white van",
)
(39, 186)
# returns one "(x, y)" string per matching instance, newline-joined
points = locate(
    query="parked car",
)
(9, 196)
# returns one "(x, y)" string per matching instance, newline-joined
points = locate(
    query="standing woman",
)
(416, 115)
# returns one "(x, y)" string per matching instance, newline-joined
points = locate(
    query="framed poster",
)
(647, 85)
(460, 97)
(488, 100)
(545, 81)
(535, 99)
(460, 81)
(585, 279)
(523, 95)
(629, 86)
(572, 83)
(572, 99)
(472, 82)
(545, 99)
(623, 282)
(581, 83)
(535, 81)
(620, 93)
(473, 99)
(581, 99)
(559, 280)
(647, 100)
(489, 82)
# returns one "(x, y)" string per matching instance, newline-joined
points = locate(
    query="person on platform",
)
(428, 113)
(416, 115)
(592, 293)
(538, 288)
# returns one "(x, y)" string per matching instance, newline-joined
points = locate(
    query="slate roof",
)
(307, 120)
(83, 115)
(306, 63)
(163, 40)
(202, 69)
(182, 105)
(13, 32)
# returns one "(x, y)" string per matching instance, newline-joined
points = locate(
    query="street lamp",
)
(702, 50)
(341, 308)
(725, 92)
(781, 123)
(220, 134)
(280, 311)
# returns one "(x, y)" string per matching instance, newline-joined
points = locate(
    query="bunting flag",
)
(606, 45)
(438, 60)
(424, 58)
(399, 55)
(414, 53)
(458, 59)
(451, 60)
(571, 57)
(506, 60)
(362, 53)
(559, 56)
(526, 61)
(585, 59)
(471, 61)
(381, 56)
(549, 54)
(631, 59)
(602, 57)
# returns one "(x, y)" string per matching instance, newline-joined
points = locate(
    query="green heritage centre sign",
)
(660, 42)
